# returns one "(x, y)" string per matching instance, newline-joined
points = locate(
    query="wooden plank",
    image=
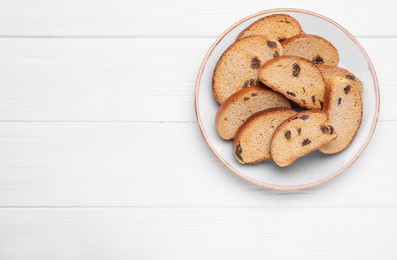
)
(199, 233)
(163, 164)
(124, 79)
(176, 17)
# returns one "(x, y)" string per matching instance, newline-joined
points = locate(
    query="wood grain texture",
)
(201, 233)
(165, 165)
(175, 17)
(112, 79)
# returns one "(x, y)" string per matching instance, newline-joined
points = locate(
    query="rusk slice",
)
(305, 132)
(276, 26)
(296, 78)
(313, 48)
(237, 108)
(329, 71)
(238, 66)
(343, 105)
(252, 141)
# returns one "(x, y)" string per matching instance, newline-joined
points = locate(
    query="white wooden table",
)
(101, 156)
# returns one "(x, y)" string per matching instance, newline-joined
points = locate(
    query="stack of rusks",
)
(271, 68)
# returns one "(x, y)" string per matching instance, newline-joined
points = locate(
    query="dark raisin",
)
(304, 90)
(306, 142)
(225, 119)
(287, 135)
(238, 152)
(245, 84)
(339, 101)
(255, 63)
(305, 117)
(246, 98)
(324, 129)
(313, 99)
(252, 82)
(349, 76)
(291, 93)
(254, 95)
(276, 54)
(331, 128)
(318, 60)
(347, 89)
(303, 101)
(299, 130)
(271, 44)
(281, 39)
(321, 104)
(296, 69)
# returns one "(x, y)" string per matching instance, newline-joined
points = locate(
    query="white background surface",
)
(101, 156)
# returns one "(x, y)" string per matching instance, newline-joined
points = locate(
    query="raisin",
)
(306, 142)
(299, 130)
(339, 101)
(325, 129)
(304, 90)
(305, 117)
(331, 129)
(321, 104)
(287, 135)
(313, 99)
(254, 95)
(291, 93)
(347, 89)
(246, 98)
(352, 77)
(303, 101)
(281, 39)
(245, 84)
(276, 54)
(238, 152)
(318, 60)
(255, 63)
(225, 119)
(296, 69)
(252, 82)
(271, 44)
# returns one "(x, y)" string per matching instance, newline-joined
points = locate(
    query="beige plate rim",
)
(275, 187)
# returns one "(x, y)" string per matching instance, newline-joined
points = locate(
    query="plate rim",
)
(278, 187)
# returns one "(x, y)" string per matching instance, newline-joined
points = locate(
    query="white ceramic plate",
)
(315, 168)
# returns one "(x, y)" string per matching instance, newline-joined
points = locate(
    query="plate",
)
(315, 168)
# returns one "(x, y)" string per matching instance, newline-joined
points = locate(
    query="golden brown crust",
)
(341, 71)
(269, 17)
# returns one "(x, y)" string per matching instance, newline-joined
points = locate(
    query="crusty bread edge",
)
(336, 68)
(299, 102)
(299, 114)
(249, 121)
(328, 91)
(265, 18)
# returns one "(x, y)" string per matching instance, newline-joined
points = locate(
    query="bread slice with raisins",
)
(313, 48)
(238, 107)
(328, 71)
(344, 107)
(239, 64)
(276, 26)
(296, 78)
(303, 133)
(252, 141)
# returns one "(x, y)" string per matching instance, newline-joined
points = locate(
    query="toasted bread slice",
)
(239, 64)
(296, 78)
(276, 26)
(328, 71)
(313, 48)
(344, 107)
(238, 107)
(303, 133)
(252, 141)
